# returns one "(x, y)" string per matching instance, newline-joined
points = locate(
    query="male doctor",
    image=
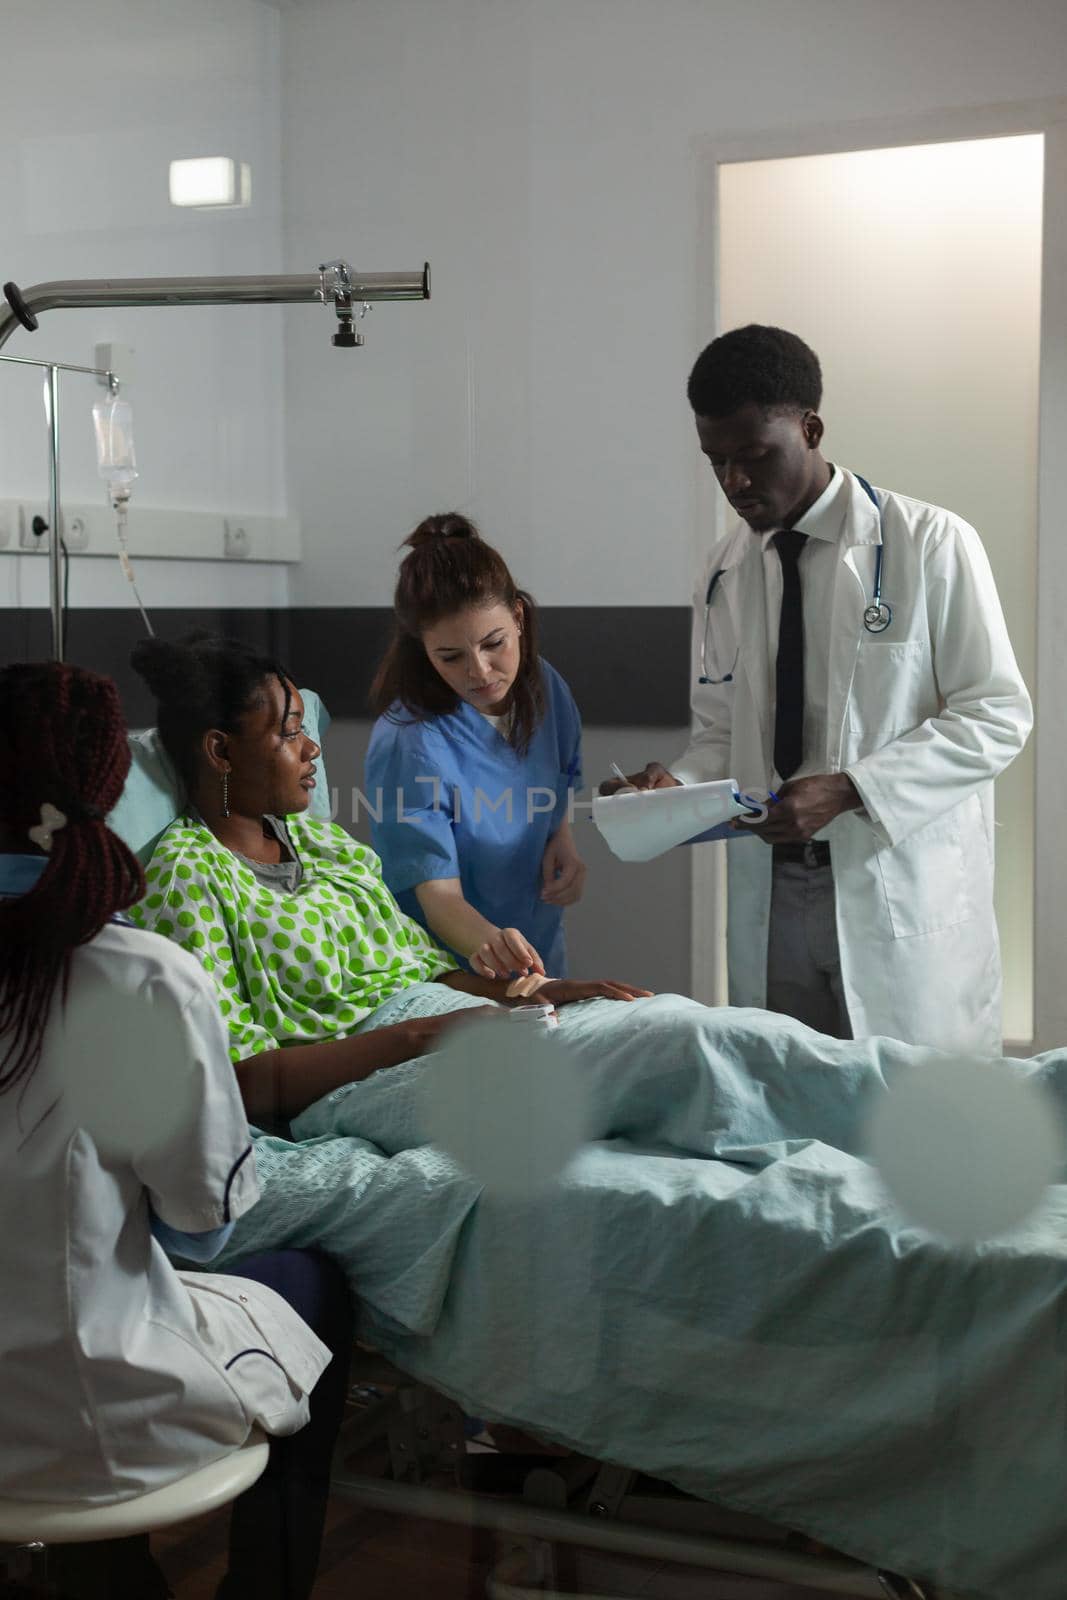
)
(850, 655)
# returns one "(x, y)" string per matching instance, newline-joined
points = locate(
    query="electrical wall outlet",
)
(29, 537)
(75, 531)
(8, 519)
(236, 545)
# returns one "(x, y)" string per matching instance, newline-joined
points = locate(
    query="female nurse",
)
(473, 760)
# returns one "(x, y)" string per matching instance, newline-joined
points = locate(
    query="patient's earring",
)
(225, 794)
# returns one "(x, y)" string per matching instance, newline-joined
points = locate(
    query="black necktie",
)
(789, 687)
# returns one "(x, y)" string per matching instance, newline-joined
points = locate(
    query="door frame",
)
(710, 152)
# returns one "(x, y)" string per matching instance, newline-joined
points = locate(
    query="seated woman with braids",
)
(289, 915)
(120, 1129)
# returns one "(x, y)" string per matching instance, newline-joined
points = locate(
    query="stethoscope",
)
(877, 615)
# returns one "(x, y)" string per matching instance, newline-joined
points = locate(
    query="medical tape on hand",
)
(522, 988)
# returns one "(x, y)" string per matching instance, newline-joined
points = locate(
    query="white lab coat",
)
(117, 1373)
(922, 717)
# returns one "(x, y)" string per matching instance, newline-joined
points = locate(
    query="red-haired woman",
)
(122, 1129)
(474, 759)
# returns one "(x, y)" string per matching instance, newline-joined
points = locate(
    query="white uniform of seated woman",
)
(119, 1374)
(129, 1391)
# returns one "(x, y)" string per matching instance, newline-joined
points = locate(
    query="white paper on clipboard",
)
(640, 824)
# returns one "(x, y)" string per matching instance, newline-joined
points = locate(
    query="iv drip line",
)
(121, 503)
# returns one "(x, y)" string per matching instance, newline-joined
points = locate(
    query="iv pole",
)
(51, 405)
(334, 283)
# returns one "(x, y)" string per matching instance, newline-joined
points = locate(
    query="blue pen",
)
(746, 799)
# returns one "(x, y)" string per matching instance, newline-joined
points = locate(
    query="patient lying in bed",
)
(287, 914)
(715, 1290)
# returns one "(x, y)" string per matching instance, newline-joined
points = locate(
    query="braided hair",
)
(449, 568)
(63, 743)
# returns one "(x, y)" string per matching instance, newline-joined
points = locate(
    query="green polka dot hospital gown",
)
(290, 966)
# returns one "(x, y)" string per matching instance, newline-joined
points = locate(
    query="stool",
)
(35, 1524)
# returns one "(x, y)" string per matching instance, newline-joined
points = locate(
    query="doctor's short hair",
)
(64, 756)
(199, 682)
(755, 365)
(449, 568)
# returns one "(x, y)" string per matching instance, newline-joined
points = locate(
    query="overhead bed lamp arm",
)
(334, 284)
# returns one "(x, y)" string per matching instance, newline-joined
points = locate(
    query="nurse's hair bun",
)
(445, 525)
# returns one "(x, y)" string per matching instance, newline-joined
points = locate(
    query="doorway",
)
(915, 272)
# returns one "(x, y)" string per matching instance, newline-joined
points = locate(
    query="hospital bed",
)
(552, 1511)
(581, 1502)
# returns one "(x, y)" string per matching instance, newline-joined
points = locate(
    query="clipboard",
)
(641, 824)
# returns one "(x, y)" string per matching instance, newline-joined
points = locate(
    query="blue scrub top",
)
(481, 812)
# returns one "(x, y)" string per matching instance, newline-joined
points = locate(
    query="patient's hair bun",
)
(201, 681)
(165, 666)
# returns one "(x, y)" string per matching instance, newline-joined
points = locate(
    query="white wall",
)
(98, 97)
(546, 158)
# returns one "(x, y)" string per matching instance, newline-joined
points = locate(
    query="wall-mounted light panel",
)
(210, 182)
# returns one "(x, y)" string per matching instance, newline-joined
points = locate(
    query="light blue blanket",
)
(717, 1292)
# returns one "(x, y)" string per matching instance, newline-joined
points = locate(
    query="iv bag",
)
(113, 422)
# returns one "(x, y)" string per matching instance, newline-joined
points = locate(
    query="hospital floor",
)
(369, 1555)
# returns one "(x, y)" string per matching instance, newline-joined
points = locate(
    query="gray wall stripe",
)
(627, 665)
